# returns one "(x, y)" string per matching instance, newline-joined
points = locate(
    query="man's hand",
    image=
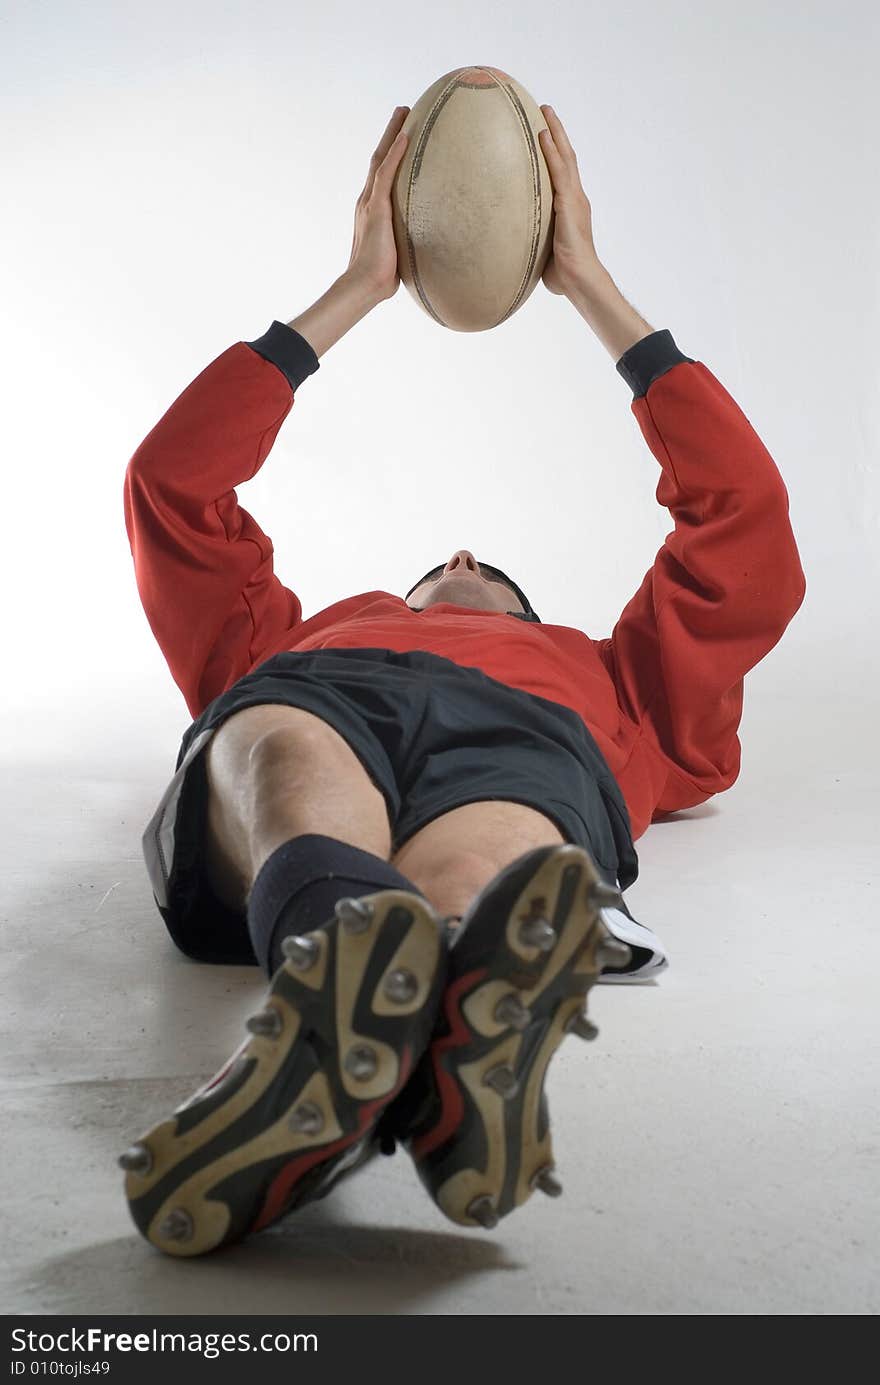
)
(373, 248)
(574, 268)
(372, 274)
(573, 262)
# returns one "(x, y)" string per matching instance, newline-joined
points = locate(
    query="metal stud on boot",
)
(510, 1010)
(402, 986)
(267, 1024)
(306, 1119)
(355, 915)
(582, 1027)
(546, 1182)
(301, 952)
(482, 1211)
(503, 1080)
(537, 932)
(361, 1062)
(603, 896)
(177, 1226)
(137, 1159)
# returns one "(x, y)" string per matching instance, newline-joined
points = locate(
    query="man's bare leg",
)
(278, 772)
(453, 857)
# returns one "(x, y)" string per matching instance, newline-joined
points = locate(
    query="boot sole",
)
(487, 1152)
(230, 1161)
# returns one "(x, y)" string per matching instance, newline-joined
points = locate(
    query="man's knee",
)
(453, 857)
(278, 773)
(471, 869)
(476, 837)
(270, 744)
(310, 747)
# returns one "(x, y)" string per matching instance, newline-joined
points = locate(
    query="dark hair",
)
(493, 573)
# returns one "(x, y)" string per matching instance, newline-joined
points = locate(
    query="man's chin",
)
(461, 591)
(470, 599)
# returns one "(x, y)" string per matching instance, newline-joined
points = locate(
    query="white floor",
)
(719, 1142)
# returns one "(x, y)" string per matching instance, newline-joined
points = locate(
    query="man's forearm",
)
(346, 301)
(598, 300)
(615, 322)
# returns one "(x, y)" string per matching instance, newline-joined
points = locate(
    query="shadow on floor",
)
(316, 1265)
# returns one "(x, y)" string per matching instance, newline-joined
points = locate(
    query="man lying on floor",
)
(417, 814)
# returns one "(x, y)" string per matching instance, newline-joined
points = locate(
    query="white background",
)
(176, 176)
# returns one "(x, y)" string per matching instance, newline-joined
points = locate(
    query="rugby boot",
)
(474, 1116)
(345, 1019)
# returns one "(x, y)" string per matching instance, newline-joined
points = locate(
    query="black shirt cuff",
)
(650, 358)
(284, 347)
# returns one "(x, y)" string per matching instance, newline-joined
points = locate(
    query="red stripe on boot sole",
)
(451, 1099)
(285, 1180)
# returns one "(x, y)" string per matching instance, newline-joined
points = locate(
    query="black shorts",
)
(431, 735)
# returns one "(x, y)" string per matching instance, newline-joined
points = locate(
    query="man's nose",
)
(462, 558)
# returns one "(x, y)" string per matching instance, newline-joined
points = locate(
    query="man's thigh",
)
(283, 770)
(476, 839)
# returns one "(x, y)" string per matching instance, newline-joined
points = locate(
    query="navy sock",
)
(297, 887)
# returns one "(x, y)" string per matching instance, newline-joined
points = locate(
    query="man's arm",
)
(338, 310)
(203, 565)
(728, 579)
(601, 304)
(722, 588)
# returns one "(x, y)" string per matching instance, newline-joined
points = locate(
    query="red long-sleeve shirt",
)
(662, 696)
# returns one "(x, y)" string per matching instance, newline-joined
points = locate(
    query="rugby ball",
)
(472, 199)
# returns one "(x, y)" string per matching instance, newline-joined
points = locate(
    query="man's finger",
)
(391, 132)
(557, 130)
(560, 172)
(551, 153)
(388, 167)
(385, 144)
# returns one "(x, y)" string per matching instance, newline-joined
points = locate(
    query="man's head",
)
(465, 582)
